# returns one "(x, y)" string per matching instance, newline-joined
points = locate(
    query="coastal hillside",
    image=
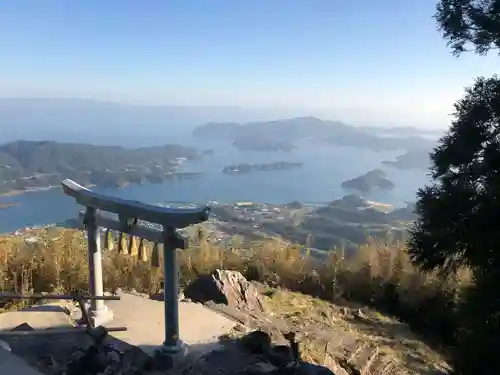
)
(338, 296)
(27, 164)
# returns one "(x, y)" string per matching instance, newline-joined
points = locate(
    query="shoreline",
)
(4, 206)
(13, 193)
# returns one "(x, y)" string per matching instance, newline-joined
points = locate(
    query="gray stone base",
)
(169, 357)
(101, 317)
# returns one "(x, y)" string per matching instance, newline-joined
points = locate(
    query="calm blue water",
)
(325, 167)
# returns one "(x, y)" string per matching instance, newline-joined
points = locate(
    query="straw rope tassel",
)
(155, 257)
(132, 246)
(108, 240)
(122, 243)
(143, 256)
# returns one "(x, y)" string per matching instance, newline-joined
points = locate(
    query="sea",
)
(325, 167)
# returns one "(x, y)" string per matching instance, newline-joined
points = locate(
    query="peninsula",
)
(375, 178)
(29, 165)
(247, 168)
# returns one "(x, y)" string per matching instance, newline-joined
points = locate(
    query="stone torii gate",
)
(129, 214)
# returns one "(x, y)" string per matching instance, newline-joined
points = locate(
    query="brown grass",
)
(380, 276)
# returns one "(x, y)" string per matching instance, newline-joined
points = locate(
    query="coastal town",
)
(346, 222)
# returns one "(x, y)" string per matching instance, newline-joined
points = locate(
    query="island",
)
(258, 143)
(284, 135)
(415, 159)
(36, 165)
(7, 205)
(375, 178)
(247, 168)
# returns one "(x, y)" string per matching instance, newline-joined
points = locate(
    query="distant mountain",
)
(27, 164)
(295, 129)
(404, 131)
(98, 122)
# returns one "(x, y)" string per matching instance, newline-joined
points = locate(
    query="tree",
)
(459, 212)
(470, 22)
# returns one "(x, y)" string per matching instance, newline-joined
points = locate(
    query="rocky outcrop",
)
(255, 354)
(225, 287)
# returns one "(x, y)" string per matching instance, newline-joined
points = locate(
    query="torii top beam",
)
(129, 209)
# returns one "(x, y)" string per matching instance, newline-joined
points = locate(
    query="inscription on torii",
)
(130, 214)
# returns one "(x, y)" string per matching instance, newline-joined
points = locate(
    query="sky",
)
(380, 60)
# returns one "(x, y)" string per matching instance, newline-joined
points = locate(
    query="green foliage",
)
(459, 211)
(470, 22)
(479, 315)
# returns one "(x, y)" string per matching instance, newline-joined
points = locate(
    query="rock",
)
(23, 327)
(332, 364)
(260, 368)
(225, 287)
(312, 369)
(358, 314)
(240, 328)
(281, 355)
(48, 364)
(363, 358)
(257, 342)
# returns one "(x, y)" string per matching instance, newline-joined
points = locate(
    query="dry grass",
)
(380, 276)
(391, 336)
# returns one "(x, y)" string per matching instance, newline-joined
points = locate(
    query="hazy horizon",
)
(54, 111)
(363, 62)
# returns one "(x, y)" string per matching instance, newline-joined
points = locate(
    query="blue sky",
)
(379, 59)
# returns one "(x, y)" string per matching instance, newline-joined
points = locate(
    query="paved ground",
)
(36, 319)
(144, 319)
(200, 329)
(12, 364)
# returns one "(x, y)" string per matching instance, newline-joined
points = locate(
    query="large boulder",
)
(225, 287)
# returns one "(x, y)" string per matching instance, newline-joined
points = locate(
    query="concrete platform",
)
(199, 326)
(12, 364)
(36, 318)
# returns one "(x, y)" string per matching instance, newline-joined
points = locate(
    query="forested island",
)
(7, 205)
(375, 178)
(258, 143)
(247, 168)
(415, 159)
(28, 165)
(284, 135)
